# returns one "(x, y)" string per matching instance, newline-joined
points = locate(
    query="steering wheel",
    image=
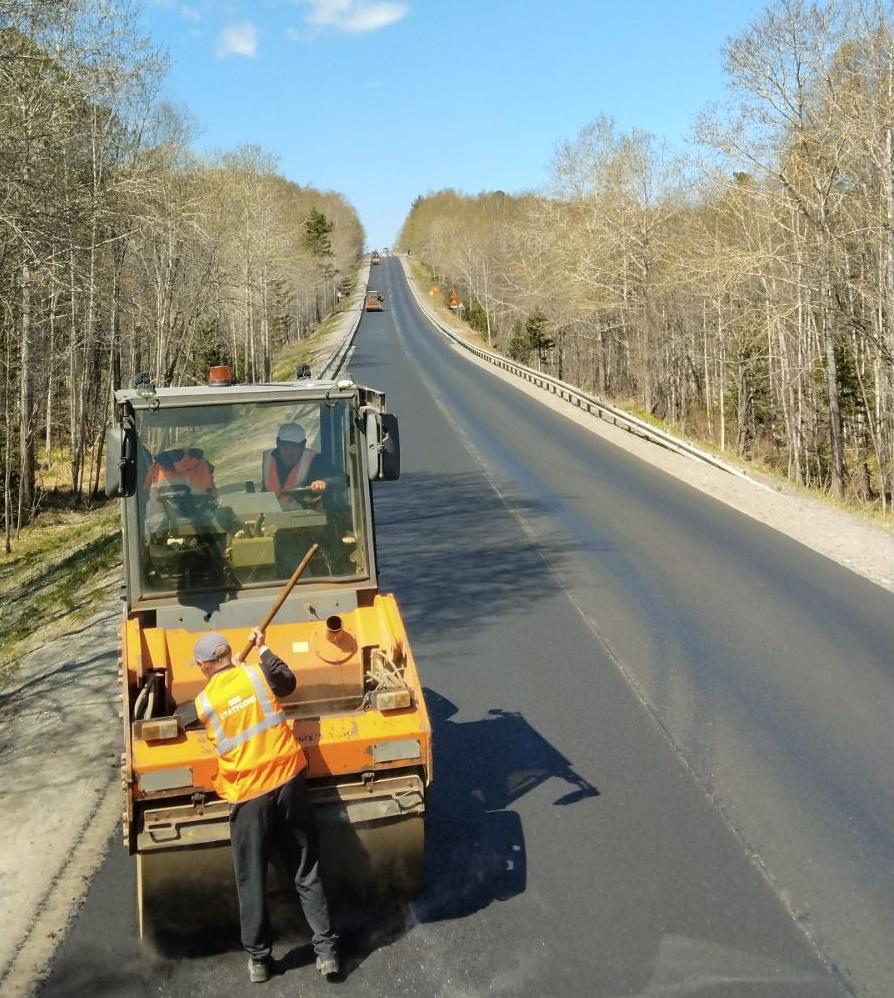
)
(171, 491)
(304, 494)
(182, 501)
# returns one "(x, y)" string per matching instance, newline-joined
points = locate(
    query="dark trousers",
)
(279, 820)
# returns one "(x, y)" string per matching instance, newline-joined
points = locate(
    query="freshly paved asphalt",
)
(663, 733)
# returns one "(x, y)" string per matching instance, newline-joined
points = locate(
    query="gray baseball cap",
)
(210, 647)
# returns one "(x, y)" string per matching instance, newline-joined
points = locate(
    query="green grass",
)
(56, 569)
(289, 357)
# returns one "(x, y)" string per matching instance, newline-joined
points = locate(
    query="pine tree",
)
(317, 228)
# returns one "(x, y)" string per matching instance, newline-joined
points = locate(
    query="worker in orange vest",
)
(182, 466)
(261, 772)
(187, 475)
(291, 464)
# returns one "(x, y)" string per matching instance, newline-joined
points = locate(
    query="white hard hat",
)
(291, 433)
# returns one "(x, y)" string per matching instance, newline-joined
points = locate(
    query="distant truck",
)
(374, 301)
(375, 258)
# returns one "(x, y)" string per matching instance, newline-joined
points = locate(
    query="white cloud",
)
(355, 16)
(238, 39)
(190, 13)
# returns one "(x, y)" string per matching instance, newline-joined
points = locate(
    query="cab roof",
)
(307, 388)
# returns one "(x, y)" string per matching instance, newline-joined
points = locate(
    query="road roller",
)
(214, 526)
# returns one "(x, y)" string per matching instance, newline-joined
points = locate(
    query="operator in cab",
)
(292, 465)
(261, 772)
(179, 465)
(178, 478)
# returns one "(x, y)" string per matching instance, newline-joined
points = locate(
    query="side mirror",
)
(390, 448)
(383, 446)
(121, 461)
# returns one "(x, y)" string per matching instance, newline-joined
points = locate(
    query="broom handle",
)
(287, 588)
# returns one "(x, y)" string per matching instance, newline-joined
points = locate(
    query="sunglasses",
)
(179, 453)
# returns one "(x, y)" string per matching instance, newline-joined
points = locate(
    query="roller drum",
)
(186, 897)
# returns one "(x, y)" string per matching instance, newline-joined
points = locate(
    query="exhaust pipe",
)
(336, 644)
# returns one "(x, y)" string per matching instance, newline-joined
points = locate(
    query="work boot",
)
(258, 970)
(327, 965)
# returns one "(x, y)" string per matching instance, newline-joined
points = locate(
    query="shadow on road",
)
(475, 846)
(453, 554)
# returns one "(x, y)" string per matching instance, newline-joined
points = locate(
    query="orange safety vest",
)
(295, 477)
(257, 751)
(194, 472)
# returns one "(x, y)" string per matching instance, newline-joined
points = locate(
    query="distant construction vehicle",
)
(374, 301)
(375, 258)
(207, 548)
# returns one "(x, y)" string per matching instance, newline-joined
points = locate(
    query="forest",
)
(123, 251)
(740, 289)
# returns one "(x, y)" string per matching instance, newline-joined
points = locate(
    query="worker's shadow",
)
(475, 846)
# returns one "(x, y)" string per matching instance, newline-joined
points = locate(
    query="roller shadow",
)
(475, 845)
(475, 848)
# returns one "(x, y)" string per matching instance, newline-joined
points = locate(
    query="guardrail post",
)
(569, 393)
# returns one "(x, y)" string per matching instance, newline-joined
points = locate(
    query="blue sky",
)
(386, 99)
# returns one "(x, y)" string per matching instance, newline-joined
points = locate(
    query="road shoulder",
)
(840, 536)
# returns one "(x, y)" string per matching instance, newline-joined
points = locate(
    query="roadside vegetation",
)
(123, 252)
(68, 559)
(56, 575)
(745, 298)
(291, 356)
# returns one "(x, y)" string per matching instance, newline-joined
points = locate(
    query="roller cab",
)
(213, 525)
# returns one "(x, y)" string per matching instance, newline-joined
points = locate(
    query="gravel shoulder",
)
(841, 536)
(844, 538)
(59, 800)
(60, 745)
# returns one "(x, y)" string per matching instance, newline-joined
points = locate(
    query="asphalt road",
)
(663, 733)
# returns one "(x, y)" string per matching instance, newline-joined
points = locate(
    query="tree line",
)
(122, 251)
(745, 294)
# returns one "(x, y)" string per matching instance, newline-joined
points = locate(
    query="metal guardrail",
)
(587, 403)
(336, 361)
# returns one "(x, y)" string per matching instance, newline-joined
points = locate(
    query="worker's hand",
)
(258, 636)
(318, 486)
